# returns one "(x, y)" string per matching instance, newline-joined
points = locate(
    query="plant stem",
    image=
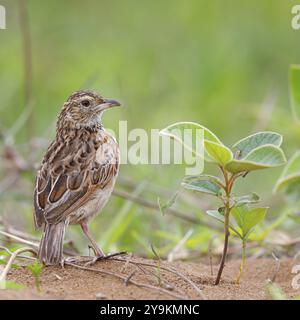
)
(228, 187)
(242, 262)
(226, 238)
(37, 284)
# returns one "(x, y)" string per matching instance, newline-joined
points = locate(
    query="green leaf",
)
(220, 153)
(294, 217)
(219, 216)
(4, 253)
(293, 191)
(290, 174)
(14, 266)
(198, 133)
(164, 207)
(246, 145)
(239, 213)
(11, 285)
(204, 184)
(35, 268)
(181, 126)
(267, 156)
(294, 84)
(247, 219)
(253, 218)
(188, 134)
(247, 199)
(275, 291)
(216, 215)
(211, 178)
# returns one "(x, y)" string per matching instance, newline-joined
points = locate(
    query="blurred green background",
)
(223, 64)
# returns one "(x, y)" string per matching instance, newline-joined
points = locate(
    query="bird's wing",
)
(69, 176)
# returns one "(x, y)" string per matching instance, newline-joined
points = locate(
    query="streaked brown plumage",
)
(77, 174)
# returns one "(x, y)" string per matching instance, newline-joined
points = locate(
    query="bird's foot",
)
(104, 257)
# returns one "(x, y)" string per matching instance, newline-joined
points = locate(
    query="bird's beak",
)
(108, 103)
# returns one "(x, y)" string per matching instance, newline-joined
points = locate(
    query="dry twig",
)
(18, 239)
(210, 254)
(153, 206)
(19, 256)
(171, 270)
(127, 262)
(180, 244)
(277, 267)
(130, 276)
(22, 237)
(167, 285)
(138, 284)
(12, 259)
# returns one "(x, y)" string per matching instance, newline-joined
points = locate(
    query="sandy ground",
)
(73, 283)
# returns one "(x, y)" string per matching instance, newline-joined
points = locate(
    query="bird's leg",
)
(84, 259)
(99, 253)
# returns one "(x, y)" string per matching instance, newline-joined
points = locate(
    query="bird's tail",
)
(51, 246)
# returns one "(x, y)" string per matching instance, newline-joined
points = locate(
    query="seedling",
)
(36, 269)
(244, 221)
(255, 152)
(158, 271)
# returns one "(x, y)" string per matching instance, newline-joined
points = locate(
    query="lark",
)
(77, 174)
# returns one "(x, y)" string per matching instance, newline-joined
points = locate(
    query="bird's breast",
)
(94, 206)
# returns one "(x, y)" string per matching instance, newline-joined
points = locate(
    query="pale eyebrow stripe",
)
(86, 97)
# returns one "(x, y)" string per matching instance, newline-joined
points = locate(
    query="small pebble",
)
(57, 276)
(100, 296)
(169, 287)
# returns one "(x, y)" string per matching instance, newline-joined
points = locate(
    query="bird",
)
(77, 174)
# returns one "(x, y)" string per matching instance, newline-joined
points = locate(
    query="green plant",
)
(5, 284)
(11, 285)
(158, 269)
(289, 181)
(258, 151)
(244, 221)
(294, 85)
(275, 291)
(5, 254)
(36, 269)
(290, 177)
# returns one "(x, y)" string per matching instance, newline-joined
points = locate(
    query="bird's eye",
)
(86, 103)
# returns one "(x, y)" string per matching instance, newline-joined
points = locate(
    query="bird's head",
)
(85, 108)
